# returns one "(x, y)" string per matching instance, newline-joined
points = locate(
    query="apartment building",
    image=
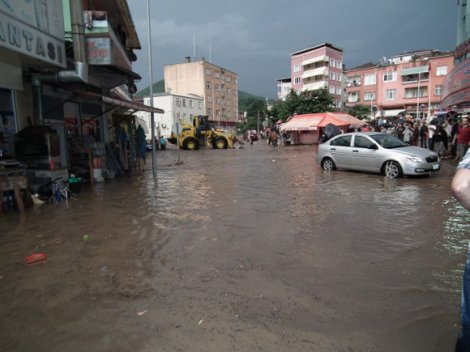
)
(284, 86)
(216, 85)
(177, 108)
(319, 67)
(410, 82)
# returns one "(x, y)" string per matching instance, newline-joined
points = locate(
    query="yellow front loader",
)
(201, 134)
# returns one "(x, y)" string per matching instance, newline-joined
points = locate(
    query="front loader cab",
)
(203, 122)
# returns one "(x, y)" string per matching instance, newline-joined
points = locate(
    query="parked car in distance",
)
(376, 152)
(148, 144)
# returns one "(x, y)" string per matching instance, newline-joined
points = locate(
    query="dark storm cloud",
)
(255, 37)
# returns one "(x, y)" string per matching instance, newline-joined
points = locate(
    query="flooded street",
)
(253, 249)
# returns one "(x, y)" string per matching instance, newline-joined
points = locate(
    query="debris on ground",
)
(35, 258)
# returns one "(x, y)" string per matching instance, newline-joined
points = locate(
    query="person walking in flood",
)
(274, 138)
(463, 138)
(162, 143)
(141, 139)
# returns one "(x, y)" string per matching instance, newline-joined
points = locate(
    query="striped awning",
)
(414, 70)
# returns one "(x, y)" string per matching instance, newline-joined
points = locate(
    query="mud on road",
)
(238, 250)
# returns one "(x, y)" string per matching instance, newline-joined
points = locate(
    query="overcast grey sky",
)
(254, 38)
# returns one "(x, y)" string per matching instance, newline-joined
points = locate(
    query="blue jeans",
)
(463, 342)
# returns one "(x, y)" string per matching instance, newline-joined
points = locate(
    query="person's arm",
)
(461, 187)
(461, 181)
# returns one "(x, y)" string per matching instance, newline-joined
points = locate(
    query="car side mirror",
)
(373, 147)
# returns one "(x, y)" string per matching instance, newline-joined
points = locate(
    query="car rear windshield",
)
(388, 142)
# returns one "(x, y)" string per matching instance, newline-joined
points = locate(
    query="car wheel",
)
(392, 169)
(328, 164)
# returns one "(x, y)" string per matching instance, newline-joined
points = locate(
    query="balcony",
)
(315, 86)
(322, 58)
(354, 84)
(320, 71)
(106, 54)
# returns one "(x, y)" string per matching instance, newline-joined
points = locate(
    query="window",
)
(199, 104)
(296, 68)
(441, 70)
(209, 99)
(343, 141)
(228, 91)
(217, 75)
(332, 75)
(209, 112)
(216, 87)
(190, 103)
(332, 62)
(332, 90)
(390, 76)
(338, 90)
(208, 72)
(208, 85)
(411, 93)
(184, 103)
(369, 96)
(353, 97)
(390, 94)
(178, 102)
(370, 79)
(338, 77)
(184, 116)
(178, 115)
(438, 90)
(297, 80)
(229, 78)
(362, 142)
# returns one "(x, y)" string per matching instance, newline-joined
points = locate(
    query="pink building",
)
(319, 67)
(410, 82)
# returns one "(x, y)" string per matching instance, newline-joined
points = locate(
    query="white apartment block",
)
(284, 86)
(177, 107)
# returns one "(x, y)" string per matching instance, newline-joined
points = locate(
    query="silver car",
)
(376, 152)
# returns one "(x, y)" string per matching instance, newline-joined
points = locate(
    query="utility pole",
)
(257, 124)
(417, 102)
(152, 118)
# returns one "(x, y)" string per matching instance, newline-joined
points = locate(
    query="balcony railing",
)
(104, 47)
(354, 84)
(315, 86)
(320, 71)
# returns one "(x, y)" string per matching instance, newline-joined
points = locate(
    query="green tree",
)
(362, 112)
(307, 102)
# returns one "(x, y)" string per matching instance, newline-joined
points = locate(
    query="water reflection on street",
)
(239, 250)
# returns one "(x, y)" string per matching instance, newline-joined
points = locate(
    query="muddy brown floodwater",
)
(253, 249)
